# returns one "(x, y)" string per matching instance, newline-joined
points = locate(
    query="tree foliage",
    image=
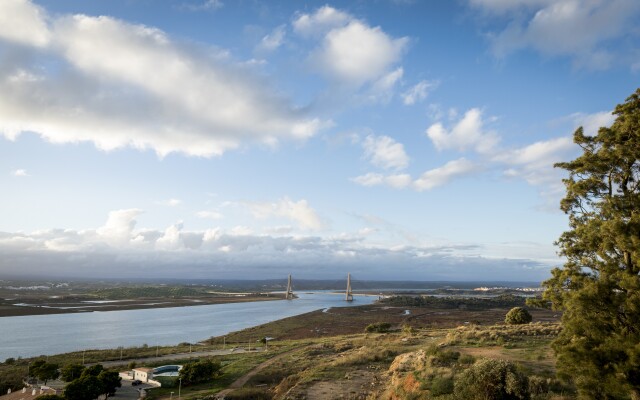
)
(90, 382)
(199, 371)
(110, 380)
(517, 316)
(470, 303)
(43, 370)
(598, 288)
(87, 387)
(71, 371)
(492, 379)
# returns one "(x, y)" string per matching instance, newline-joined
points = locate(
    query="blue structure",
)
(167, 370)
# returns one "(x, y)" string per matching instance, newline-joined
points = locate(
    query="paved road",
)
(176, 356)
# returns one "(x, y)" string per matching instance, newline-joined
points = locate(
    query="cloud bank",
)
(586, 28)
(78, 78)
(119, 247)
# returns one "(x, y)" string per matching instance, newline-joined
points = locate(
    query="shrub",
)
(492, 379)
(538, 385)
(445, 358)
(199, 371)
(441, 385)
(466, 359)
(517, 316)
(380, 327)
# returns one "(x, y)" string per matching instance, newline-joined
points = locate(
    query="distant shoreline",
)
(48, 307)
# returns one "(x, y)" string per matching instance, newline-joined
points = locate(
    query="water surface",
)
(33, 335)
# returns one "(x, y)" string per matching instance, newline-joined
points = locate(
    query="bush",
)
(199, 371)
(517, 316)
(441, 385)
(492, 379)
(466, 359)
(445, 358)
(380, 327)
(538, 385)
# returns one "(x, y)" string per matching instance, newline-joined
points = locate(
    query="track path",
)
(240, 382)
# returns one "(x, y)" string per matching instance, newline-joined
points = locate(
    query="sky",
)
(220, 139)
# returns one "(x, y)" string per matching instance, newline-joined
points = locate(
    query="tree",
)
(517, 316)
(50, 397)
(93, 370)
(199, 371)
(110, 381)
(85, 388)
(71, 371)
(44, 370)
(492, 379)
(598, 288)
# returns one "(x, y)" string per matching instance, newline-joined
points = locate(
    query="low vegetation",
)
(518, 316)
(470, 303)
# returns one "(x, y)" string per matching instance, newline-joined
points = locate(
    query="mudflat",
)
(41, 305)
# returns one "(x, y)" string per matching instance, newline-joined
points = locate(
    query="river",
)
(34, 335)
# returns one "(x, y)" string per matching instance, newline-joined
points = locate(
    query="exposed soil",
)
(351, 320)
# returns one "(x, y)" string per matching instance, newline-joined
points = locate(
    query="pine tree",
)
(598, 288)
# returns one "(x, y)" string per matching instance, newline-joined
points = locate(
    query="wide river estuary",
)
(34, 335)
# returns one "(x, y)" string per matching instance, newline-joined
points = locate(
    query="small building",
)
(143, 374)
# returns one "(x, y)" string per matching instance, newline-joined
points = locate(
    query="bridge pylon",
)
(349, 294)
(289, 289)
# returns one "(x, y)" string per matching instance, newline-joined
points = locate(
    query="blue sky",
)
(252, 139)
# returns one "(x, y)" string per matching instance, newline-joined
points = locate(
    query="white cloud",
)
(23, 22)
(534, 162)
(442, 175)
(20, 172)
(396, 181)
(357, 53)
(298, 211)
(209, 215)
(320, 22)
(417, 93)
(171, 239)
(468, 133)
(503, 6)
(207, 5)
(170, 202)
(581, 29)
(118, 230)
(273, 40)
(383, 89)
(121, 84)
(428, 180)
(351, 52)
(591, 123)
(385, 152)
(176, 252)
(369, 179)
